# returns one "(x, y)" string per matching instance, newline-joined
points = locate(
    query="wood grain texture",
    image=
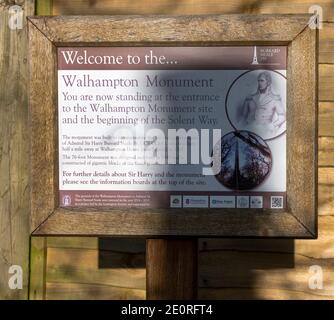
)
(326, 152)
(144, 223)
(326, 41)
(127, 273)
(73, 269)
(262, 293)
(302, 131)
(64, 7)
(73, 242)
(326, 191)
(14, 150)
(38, 262)
(43, 126)
(326, 83)
(125, 245)
(326, 118)
(171, 266)
(180, 29)
(83, 291)
(267, 269)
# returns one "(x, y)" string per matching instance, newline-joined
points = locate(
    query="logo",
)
(256, 202)
(222, 202)
(255, 57)
(195, 201)
(176, 201)
(243, 202)
(66, 200)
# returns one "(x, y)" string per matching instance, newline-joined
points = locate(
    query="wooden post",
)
(171, 269)
(14, 146)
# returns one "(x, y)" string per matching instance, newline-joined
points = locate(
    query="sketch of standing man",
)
(263, 112)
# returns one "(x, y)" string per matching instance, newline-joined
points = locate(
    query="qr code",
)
(276, 202)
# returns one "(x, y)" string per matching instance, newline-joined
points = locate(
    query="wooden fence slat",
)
(326, 43)
(326, 152)
(326, 191)
(259, 293)
(81, 266)
(14, 147)
(73, 242)
(83, 291)
(190, 7)
(326, 82)
(38, 252)
(326, 119)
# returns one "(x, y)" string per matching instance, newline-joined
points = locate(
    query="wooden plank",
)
(326, 82)
(259, 294)
(326, 119)
(38, 245)
(126, 245)
(58, 257)
(38, 252)
(227, 28)
(171, 266)
(326, 43)
(73, 242)
(43, 129)
(302, 130)
(14, 150)
(84, 291)
(326, 152)
(245, 269)
(246, 245)
(120, 222)
(81, 266)
(189, 7)
(326, 191)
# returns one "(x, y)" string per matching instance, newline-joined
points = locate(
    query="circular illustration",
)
(246, 160)
(256, 102)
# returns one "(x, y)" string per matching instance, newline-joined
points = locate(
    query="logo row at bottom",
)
(189, 201)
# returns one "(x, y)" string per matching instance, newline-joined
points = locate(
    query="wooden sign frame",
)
(300, 218)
